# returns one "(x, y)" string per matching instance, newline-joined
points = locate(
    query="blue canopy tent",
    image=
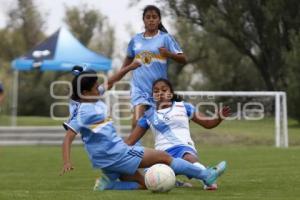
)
(59, 52)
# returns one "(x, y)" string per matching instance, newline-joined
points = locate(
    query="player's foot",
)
(183, 184)
(214, 186)
(101, 183)
(214, 173)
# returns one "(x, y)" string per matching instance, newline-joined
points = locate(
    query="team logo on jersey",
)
(145, 57)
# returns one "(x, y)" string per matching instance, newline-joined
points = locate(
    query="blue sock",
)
(182, 167)
(122, 185)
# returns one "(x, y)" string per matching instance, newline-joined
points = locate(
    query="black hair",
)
(157, 10)
(175, 97)
(85, 80)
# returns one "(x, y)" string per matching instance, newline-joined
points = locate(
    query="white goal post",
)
(280, 102)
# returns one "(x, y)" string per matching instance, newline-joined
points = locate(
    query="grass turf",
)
(253, 173)
(242, 132)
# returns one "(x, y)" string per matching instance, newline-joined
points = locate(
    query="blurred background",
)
(231, 46)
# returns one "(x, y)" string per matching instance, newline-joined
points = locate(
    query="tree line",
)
(24, 29)
(248, 45)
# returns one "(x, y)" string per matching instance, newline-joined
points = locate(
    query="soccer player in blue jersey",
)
(169, 121)
(108, 152)
(153, 48)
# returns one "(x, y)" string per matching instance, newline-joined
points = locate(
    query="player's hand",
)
(164, 52)
(225, 112)
(135, 64)
(66, 168)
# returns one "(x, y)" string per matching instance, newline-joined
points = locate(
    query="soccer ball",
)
(160, 178)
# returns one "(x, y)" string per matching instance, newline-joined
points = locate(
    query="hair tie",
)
(77, 70)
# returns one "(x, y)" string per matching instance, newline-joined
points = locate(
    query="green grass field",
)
(31, 173)
(256, 169)
(229, 132)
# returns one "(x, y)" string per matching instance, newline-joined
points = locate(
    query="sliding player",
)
(108, 152)
(169, 121)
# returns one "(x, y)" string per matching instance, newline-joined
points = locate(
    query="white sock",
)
(199, 165)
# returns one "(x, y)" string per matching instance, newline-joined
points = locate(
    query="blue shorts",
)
(141, 98)
(128, 164)
(179, 151)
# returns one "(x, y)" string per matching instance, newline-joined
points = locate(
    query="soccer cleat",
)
(214, 186)
(183, 184)
(101, 183)
(214, 173)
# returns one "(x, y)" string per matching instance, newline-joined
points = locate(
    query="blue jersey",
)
(98, 134)
(154, 65)
(170, 126)
(74, 105)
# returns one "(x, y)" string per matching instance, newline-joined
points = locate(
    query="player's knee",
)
(190, 158)
(165, 158)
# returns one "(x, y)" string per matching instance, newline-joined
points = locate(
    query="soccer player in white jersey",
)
(169, 121)
(153, 48)
(108, 152)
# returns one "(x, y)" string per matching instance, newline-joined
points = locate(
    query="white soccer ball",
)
(160, 178)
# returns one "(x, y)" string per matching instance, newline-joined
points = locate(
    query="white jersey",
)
(170, 126)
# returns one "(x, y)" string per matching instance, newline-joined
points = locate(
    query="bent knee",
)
(190, 158)
(165, 158)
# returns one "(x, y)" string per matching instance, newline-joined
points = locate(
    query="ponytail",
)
(162, 28)
(77, 70)
(177, 97)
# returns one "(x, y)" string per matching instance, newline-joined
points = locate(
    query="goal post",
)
(117, 98)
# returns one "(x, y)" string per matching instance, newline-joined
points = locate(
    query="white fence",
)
(54, 135)
(36, 135)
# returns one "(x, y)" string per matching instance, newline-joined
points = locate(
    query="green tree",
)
(26, 20)
(91, 28)
(258, 29)
(214, 63)
(22, 32)
(82, 22)
(293, 60)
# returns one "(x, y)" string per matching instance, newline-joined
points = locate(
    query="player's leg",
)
(109, 181)
(138, 112)
(189, 154)
(185, 152)
(182, 167)
(192, 158)
(126, 170)
(137, 177)
(152, 157)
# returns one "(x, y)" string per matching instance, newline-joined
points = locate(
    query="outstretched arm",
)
(66, 151)
(136, 135)
(127, 61)
(121, 73)
(202, 120)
